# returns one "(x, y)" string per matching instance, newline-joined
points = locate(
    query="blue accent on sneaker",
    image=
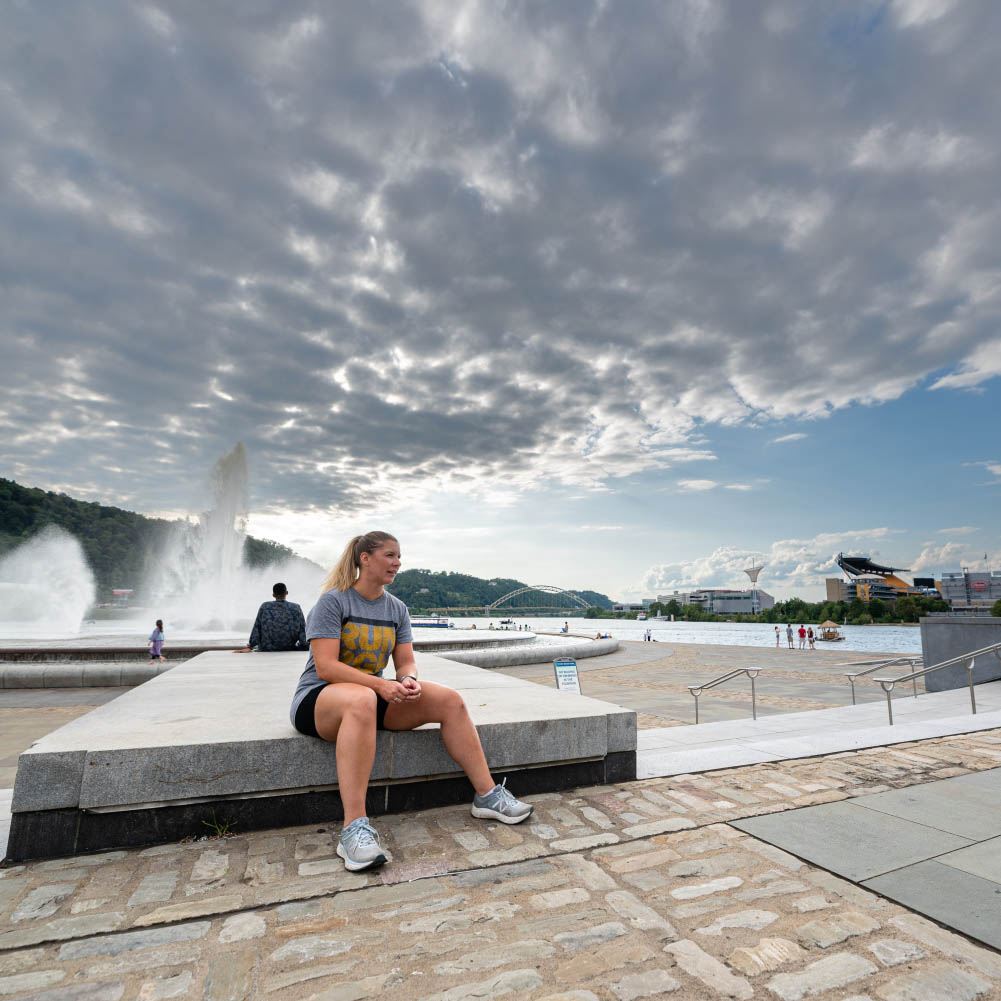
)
(499, 804)
(359, 846)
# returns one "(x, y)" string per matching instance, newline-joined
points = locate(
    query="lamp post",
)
(752, 571)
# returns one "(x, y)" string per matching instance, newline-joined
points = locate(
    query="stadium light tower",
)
(752, 571)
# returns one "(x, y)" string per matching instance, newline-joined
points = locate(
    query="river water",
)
(880, 639)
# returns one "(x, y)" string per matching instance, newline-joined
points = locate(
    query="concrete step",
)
(683, 749)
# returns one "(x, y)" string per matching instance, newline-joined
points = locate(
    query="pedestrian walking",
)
(802, 637)
(789, 633)
(155, 642)
(810, 637)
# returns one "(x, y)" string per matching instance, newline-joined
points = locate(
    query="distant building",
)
(867, 581)
(970, 589)
(722, 601)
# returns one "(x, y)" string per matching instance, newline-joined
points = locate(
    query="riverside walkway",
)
(618, 892)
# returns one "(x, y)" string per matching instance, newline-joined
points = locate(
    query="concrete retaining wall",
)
(214, 733)
(946, 636)
(52, 655)
(59, 668)
(578, 650)
(113, 675)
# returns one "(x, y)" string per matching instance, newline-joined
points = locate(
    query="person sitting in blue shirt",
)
(280, 625)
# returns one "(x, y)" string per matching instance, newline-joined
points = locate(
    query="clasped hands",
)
(407, 690)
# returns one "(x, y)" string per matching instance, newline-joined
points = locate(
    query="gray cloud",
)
(396, 247)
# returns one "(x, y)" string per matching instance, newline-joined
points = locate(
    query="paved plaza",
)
(620, 892)
(652, 678)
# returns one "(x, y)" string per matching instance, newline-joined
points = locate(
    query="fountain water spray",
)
(200, 582)
(46, 586)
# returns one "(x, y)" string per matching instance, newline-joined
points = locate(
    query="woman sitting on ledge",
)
(342, 697)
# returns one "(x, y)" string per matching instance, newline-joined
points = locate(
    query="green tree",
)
(996, 609)
(857, 608)
(877, 609)
(906, 609)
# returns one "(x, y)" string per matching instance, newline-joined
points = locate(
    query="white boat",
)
(430, 621)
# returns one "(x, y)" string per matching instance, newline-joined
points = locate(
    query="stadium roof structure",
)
(857, 566)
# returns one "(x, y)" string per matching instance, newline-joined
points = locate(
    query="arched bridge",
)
(546, 589)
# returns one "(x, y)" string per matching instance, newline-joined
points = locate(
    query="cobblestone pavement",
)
(618, 892)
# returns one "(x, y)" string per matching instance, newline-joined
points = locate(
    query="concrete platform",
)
(210, 740)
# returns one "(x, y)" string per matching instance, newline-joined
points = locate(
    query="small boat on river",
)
(430, 621)
(829, 632)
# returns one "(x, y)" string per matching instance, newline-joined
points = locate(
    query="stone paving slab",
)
(952, 805)
(982, 859)
(851, 840)
(614, 893)
(955, 898)
(897, 842)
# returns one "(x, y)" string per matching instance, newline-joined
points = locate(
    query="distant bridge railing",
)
(576, 599)
(487, 610)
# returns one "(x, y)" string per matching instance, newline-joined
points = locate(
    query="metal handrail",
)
(879, 666)
(697, 690)
(971, 658)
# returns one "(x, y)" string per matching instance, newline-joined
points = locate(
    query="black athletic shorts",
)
(305, 715)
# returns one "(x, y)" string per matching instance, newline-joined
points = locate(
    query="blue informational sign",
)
(566, 676)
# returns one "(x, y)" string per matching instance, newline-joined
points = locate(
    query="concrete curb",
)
(114, 675)
(106, 654)
(514, 658)
(20, 674)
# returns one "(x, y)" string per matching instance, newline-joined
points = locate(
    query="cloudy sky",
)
(589, 294)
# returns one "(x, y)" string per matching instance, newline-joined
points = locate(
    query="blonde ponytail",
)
(348, 567)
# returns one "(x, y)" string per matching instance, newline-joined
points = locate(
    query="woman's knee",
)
(452, 703)
(339, 702)
(359, 701)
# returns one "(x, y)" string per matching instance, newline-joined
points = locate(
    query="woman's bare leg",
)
(439, 704)
(345, 715)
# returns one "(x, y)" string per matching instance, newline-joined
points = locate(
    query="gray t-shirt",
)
(368, 631)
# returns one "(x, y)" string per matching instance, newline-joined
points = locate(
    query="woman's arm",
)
(403, 660)
(406, 670)
(326, 652)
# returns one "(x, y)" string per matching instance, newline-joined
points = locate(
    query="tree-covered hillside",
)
(118, 544)
(423, 589)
